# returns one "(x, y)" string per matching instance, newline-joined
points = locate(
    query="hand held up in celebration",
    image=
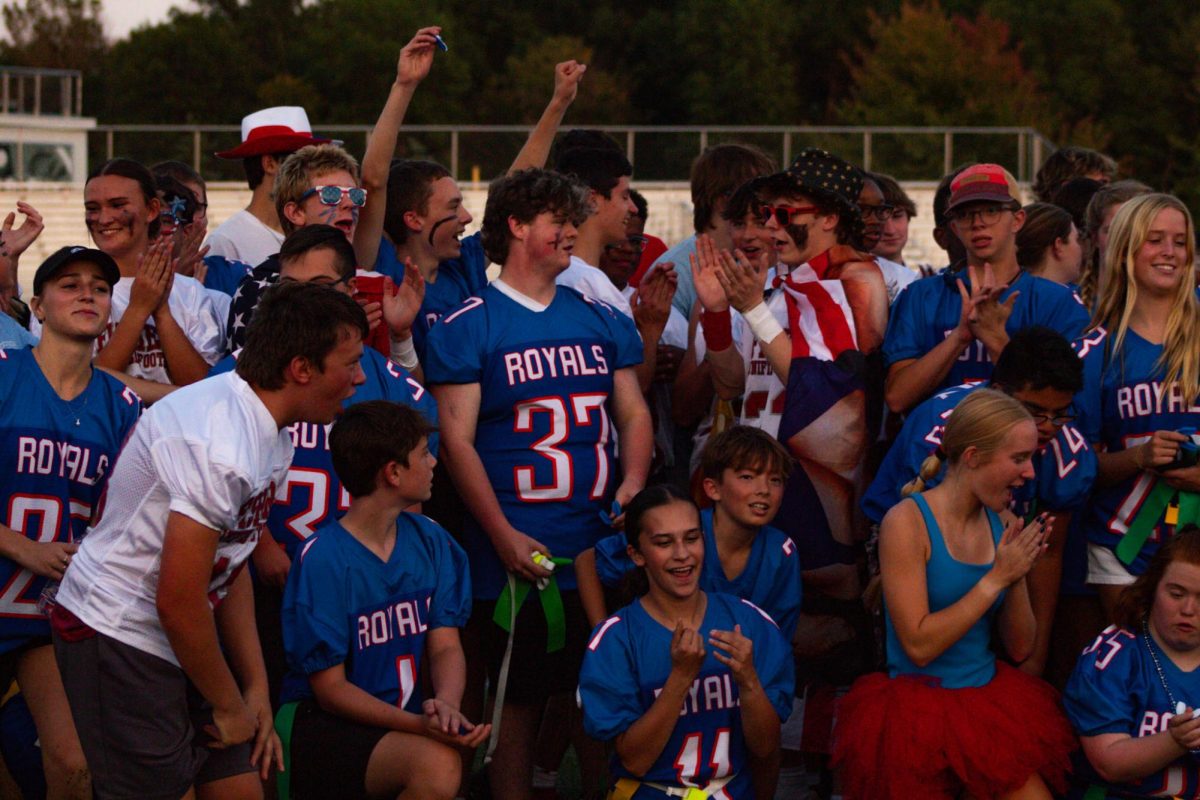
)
(1019, 549)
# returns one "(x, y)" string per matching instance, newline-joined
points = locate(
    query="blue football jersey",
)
(56, 456)
(545, 432)
(928, 310)
(1065, 467)
(1115, 688)
(312, 494)
(344, 605)
(1122, 404)
(770, 579)
(457, 279)
(224, 274)
(626, 665)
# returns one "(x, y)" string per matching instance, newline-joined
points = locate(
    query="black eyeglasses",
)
(1041, 416)
(988, 214)
(881, 212)
(636, 243)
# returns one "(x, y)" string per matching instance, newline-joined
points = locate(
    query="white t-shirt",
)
(592, 282)
(762, 398)
(243, 237)
(210, 451)
(896, 276)
(192, 307)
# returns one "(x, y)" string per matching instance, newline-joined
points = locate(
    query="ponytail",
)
(930, 467)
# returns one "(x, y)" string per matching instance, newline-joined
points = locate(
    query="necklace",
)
(1162, 677)
(75, 409)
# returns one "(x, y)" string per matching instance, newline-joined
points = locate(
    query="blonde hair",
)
(301, 168)
(1180, 359)
(982, 420)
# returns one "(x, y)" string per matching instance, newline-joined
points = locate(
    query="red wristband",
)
(718, 329)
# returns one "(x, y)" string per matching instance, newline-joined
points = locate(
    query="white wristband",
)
(404, 353)
(763, 323)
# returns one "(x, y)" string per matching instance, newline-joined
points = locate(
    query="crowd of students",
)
(762, 513)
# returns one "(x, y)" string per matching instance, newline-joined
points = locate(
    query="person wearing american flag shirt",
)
(799, 359)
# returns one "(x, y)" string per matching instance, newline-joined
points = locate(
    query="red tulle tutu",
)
(904, 738)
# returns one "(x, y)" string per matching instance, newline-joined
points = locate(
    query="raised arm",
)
(651, 309)
(151, 287)
(911, 380)
(726, 368)
(537, 147)
(183, 361)
(411, 68)
(14, 242)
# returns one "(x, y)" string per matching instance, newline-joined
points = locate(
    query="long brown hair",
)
(1137, 599)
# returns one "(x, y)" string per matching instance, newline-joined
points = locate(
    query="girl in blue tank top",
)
(948, 718)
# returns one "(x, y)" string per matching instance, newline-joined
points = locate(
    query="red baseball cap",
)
(984, 183)
(281, 129)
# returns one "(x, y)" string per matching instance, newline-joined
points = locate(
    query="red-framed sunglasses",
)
(783, 214)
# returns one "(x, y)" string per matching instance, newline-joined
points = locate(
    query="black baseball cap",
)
(69, 255)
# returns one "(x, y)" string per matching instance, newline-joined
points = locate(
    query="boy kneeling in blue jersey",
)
(744, 471)
(369, 598)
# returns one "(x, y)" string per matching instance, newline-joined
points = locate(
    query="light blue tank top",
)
(969, 661)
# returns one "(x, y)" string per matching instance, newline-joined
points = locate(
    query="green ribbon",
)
(1149, 515)
(1095, 792)
(283, 726)
(514, 594)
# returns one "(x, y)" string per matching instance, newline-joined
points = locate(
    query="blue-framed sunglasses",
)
(332, 195)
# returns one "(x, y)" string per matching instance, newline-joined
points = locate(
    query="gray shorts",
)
(140, 721)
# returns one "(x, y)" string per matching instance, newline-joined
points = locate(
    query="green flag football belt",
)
(1179, 507)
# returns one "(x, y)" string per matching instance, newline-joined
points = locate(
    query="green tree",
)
(925, 68)
(740, 68)
(66, 34)
(520, 91)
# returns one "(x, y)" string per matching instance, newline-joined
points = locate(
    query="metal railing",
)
(660, 153)
(41, 92)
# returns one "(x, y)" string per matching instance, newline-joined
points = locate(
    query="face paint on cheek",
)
(799, 234)
(433, 228)
(328, 214)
